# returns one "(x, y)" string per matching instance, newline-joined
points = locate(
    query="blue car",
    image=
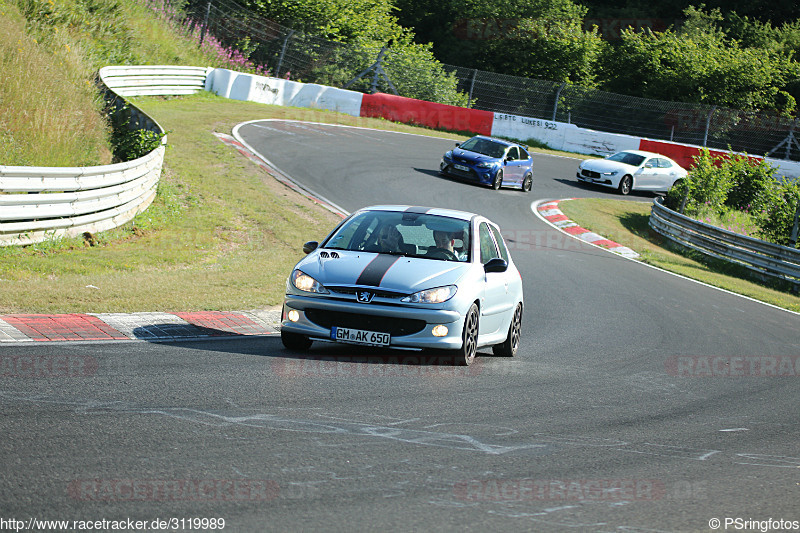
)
(407, 277)
(490, 161)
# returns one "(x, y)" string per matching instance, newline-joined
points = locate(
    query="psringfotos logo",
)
(705, 366)
(374, 366)
(47, 366)
(560, 490)
(169, 490)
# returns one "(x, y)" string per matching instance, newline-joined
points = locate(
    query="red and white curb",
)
(550, 213)
(17, 328)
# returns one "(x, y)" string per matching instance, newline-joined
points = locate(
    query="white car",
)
(632, 170)
(407, 277)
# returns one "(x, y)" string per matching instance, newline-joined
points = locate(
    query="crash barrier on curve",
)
(39, 203)
(765, 259)
(275, 91)
(426, 114)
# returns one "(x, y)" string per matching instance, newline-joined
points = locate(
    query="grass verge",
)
(221, 235)
(627, 223)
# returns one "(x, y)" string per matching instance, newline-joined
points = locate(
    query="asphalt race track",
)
(639, 401)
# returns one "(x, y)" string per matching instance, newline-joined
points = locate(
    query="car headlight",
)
(306, 283)
(611, 173)
(448, 155)
(485, 164)
(432, 296)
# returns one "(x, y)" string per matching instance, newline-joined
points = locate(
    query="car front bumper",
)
(606, 182)
(410, 327)
(484, 176)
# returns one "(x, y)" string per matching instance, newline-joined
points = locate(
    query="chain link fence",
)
(283, 52)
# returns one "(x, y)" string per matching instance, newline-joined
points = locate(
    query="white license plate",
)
(359, 336)
(461, 167)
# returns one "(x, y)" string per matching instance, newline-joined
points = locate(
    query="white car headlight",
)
(611, 173)
(306, 283)
(432, 296)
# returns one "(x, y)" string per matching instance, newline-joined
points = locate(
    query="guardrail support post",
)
(558, 95)
(205, 24)
(283, 53)
(708, 125)
(796, 225)
(471, 88)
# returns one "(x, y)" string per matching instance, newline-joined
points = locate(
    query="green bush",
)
(776, 217)
(127, 143)
(708, 183)
(751, 180)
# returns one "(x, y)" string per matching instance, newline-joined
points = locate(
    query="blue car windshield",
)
(404, 233)
(484, 147)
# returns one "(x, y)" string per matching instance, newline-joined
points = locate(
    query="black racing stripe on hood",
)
(373, 273)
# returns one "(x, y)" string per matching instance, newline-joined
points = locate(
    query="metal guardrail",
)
(39, 203)
(761, 257)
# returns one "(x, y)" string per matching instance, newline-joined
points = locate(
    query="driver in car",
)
(444, 246)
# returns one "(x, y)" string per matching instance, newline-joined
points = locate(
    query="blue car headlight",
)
(485, 164)
(306, 283)
(432, 296)
(448, 156)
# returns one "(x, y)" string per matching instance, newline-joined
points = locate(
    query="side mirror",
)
(495, 265)
(458, 144)
(310, 246)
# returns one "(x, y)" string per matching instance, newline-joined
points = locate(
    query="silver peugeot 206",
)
(407, 277)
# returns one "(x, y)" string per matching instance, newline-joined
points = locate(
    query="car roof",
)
(438, 211)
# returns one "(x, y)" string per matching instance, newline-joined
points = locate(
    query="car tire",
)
(527, 183)
(625, 185)
(469, 337)
(498, 180)
(509, 347)
(295, 342)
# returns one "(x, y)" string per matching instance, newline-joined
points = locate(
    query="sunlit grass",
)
(50, 111)
(628, 224)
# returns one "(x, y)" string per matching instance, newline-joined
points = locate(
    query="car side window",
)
(488, 249)
(513, 153)
(523, 154)
(664, 163)
(498, 238)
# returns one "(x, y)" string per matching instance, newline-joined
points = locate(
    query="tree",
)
(700, 63)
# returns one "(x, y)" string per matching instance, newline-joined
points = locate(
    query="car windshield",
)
(404, 233)
(628, 158)
(485, 147)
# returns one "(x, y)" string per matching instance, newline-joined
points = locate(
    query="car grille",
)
(590, 174)
(469, 174)
(396, 327)
(351, 291)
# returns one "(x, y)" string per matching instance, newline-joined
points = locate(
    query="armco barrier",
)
(154, 80)
(427, 114)
(764, 258)
(37, 203)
